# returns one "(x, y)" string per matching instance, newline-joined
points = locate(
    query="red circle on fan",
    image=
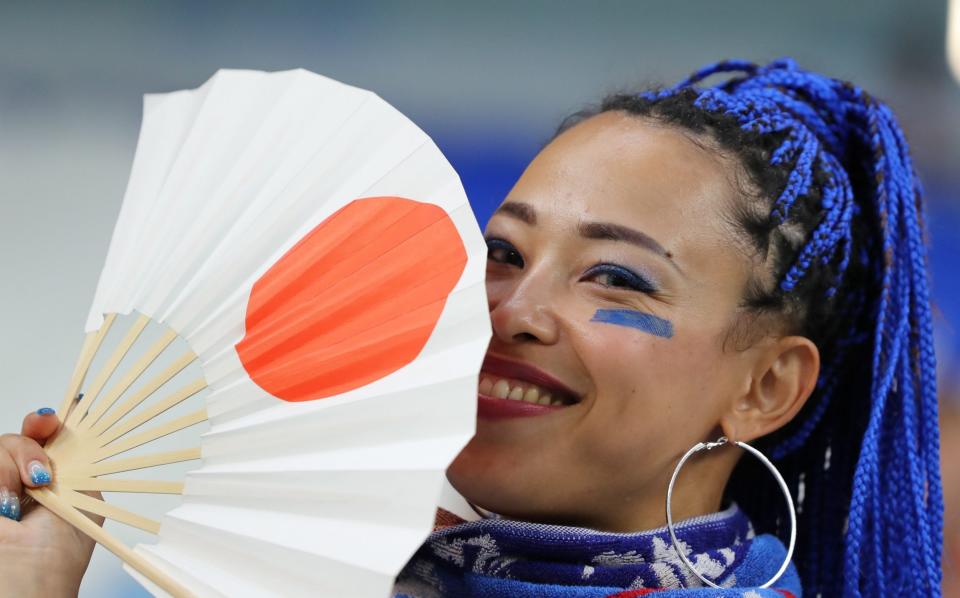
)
(353, 301)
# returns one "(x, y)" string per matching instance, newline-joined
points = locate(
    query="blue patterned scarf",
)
(498, 558)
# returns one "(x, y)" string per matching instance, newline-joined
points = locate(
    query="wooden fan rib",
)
(150, 435)
(61, 507)
(151, 387)
(141, 462)
(107, 370)
(153, 411)
(128, 379)
(115, 485)
(104, 509)
(91, 344)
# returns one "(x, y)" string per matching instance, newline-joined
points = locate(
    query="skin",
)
(605, 462)
(41, 555)
(645, 400)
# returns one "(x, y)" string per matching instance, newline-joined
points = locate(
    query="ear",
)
(782, 379)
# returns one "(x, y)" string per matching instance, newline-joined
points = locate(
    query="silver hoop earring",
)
(783, 486)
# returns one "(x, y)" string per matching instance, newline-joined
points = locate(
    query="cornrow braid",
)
(833, 210)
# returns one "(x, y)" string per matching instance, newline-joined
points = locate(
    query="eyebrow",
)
(606, 231)
(615, 232)
(518, 210)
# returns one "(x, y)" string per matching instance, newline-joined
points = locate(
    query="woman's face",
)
(613, 278)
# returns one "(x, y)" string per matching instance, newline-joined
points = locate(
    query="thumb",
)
(40, 424)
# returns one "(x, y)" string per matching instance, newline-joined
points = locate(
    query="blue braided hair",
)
(832, 209)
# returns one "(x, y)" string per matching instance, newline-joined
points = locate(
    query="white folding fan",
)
(298, 261)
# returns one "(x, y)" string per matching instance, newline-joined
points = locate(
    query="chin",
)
(498, 484)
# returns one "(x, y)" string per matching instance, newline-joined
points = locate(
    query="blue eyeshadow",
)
(635, 319)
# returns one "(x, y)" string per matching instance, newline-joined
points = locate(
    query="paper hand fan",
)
(295, 270)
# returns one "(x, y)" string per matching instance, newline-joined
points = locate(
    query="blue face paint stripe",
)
(635, 319)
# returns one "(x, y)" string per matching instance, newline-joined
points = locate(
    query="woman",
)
(742, 260)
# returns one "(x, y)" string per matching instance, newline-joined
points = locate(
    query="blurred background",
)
(488, 81)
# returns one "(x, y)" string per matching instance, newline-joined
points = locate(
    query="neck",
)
(697, 492)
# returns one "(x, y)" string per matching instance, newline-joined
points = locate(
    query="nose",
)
(522, 309)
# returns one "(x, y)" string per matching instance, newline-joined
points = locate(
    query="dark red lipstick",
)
(497, 367)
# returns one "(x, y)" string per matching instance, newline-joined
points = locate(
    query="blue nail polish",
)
(39, 475)
(9, 505)
(46, 411)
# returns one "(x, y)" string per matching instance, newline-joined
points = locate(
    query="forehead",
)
(626, 169)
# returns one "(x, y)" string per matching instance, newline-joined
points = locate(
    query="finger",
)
(40, 424)
(32, 462)
(9, 487)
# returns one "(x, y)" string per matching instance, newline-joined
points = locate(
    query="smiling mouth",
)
(510, 382)
(498, 387)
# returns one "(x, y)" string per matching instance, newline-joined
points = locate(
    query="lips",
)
(512, 388)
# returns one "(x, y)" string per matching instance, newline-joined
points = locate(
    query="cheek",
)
(654, 395)
(632, 353)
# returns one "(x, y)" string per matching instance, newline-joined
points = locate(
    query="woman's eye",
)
(611, 275)
(502, 251)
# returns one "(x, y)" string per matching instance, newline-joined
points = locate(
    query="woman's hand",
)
(40, 554)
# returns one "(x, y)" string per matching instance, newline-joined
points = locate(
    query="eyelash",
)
(501, 251)
(631, 280)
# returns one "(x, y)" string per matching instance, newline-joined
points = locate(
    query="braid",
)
(834, 211)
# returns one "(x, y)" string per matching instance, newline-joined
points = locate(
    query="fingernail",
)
(9, 504)
(46, 411)
(39, 475)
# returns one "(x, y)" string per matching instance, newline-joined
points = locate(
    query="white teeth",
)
(532, 395)
(486, 386)
(503, 389)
